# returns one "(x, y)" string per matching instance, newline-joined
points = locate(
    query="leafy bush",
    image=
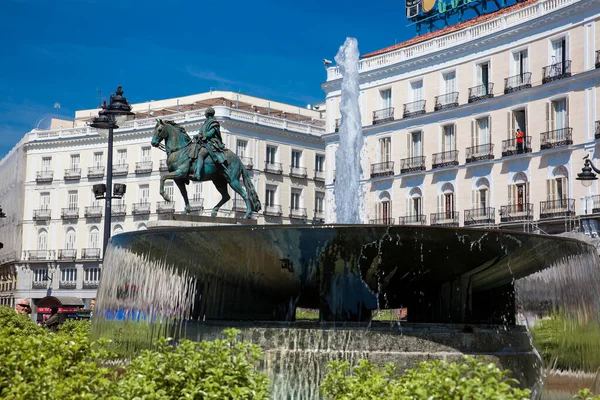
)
(586, 394)
(471, 379)
(12, 322)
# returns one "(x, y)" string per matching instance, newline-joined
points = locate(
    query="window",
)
(517, 119)
(559, 51)
(40, 275)
(518, 193)
(42, 240)
(416, 90)
(319, 162)
(480, 196)
(557, 188)
(45, 201)
(241, 148)
(449, 82)
(446, 201)
(73, 199)
(383, 208)
(121, 156)
(448, 138)
(414, 206)
(319, 202)
(75, 161)
(295, 199)
(557, 113)
(98, 159)
(169, 189)
(146, 155)
(68, 274)
(94, 238)
(296, 158)
(70, 241)
(385, 149)
(144, 193)
(197, 193)
(92, 274)
(271, 154)
(385, 97)
(520, 64)
(46, 164)
(483, 76)
(415, 145)
(270, 195)
(480, 133)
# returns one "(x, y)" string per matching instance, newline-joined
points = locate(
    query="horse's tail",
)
(252, 195)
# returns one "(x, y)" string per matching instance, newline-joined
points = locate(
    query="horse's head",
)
(160, 133)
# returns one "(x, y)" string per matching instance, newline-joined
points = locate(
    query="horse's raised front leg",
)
(221, 186)
(183, 190)
(163, 178)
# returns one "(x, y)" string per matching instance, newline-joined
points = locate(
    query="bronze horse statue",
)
(181, 166)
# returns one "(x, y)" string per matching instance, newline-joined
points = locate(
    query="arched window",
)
(518, 195)
(42, 240)
(70, 239)
(446, 201)
(94, 242)
(383, 209)
(480, 197)
(142, 227)
(414, 205)
(117, 229)
(557, 188)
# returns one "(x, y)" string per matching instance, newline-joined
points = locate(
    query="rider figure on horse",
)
(209, 142)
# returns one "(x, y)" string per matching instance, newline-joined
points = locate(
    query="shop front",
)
(68, 308)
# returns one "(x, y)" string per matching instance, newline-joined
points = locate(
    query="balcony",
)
(414, 108)
(272, 210)
(480, 216)
(338, 123)
(510, 147)
(596, 204)
(413, 220)
(447, 100)
(118, 210)
(480, 152)
(319, 216)
(165, 207)
(120, 170)
(556, 71)
(382, 169)
(298, 213)
(445, 159)
(517, 82)
(196, 203)
(38, 255)
(239, 205)
(44, 176)
(90, 254)
(481, 92)
(597, 133)
(93, 212)
(67, 285)
(298, 172)
(43, 214)
(448, 218)
(69, 213)
(72, 174)
(557, 208)
(162, 166)
(90, 284)
(319, 176)
(95, 172)
(516, 213)
(383, 115)
(141, 209)
(67, 254)
(597, 58)
(39, 284)
(273, 168)
(556, 138)
(382, 221)
(248, 163)
(412, 164)
(143, 167)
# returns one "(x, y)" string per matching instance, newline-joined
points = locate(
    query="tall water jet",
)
(348, 170)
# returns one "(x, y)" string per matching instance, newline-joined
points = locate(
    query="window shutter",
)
(511, 196)
(525, 122)
(408, 209)
(509, 128)
(526, 192)
(565, 188)
(566, 121)
(489, 130)
(474, 199)
(473, 133)
(549, 124)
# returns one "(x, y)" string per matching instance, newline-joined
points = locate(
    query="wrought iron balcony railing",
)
(273, 168)
(120, 169)
(39, 284)
(480, 152)
(597, 133)
(412, 164)
(338, 123)
(445, 159)
(596, 204)
(248, 163)
(556, 71)
(448, 218)
(143, 167)
(67, 254)
(90, 284)
(90, 254)
(38, 254)
(517, 82)
(69, 213)
(165, 207)
(95, 172)
(44, 176)
(414, 108)
(556, 138)
(93, 212)
(513, 146)
(382, 221)
(196, 203)
(481, 92)
(557, 208)
(447, 100)
(597, 58)
(141, 208)
(43, 214)
(480, 216)
(413, 220)
(319, 216)
(72, 174)
(118, 210)
(298, 213)
(272, 210)
(516, 212)
(67, 285)
(162, 166)
(382, 169)
(239, 205)
(298, 172)
(383, 115)
(319, 176)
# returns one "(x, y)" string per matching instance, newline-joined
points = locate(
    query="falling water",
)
(348, 193)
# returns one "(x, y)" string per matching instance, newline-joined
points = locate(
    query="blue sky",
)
(63, 51)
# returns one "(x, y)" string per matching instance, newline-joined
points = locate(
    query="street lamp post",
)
(586, 176)
(109, 118)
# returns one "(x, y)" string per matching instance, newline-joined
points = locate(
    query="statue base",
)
(186, 220)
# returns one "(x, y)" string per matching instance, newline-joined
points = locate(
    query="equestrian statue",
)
(203, 158)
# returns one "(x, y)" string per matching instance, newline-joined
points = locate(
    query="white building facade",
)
(440, 116)
(58, 244)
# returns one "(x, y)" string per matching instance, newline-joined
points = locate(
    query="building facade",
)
(484, 123)
(58, 248)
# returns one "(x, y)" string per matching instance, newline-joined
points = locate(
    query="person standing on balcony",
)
(520, 139)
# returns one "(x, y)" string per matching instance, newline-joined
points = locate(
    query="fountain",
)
(462, 290)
